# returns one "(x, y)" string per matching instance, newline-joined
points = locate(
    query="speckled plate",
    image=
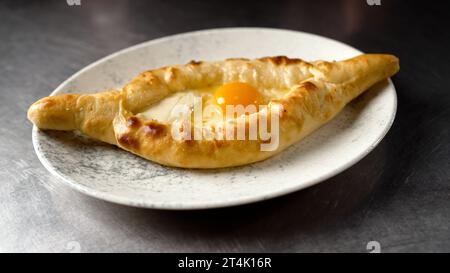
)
(108, 173)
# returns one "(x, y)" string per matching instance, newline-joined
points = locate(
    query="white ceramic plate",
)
(108, 173)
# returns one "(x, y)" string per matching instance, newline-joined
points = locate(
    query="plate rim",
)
(144, 203)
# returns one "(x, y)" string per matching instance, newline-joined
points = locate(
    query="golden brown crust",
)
(316, 92)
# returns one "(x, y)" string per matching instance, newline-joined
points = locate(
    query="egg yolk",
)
(237, 93)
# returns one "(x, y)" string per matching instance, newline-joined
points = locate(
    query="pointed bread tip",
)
(54, 112)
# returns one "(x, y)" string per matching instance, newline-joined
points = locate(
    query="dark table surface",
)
(399, 195)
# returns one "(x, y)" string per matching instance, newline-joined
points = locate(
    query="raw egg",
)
(237, 93)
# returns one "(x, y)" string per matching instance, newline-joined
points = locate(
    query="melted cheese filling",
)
(181, 106)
